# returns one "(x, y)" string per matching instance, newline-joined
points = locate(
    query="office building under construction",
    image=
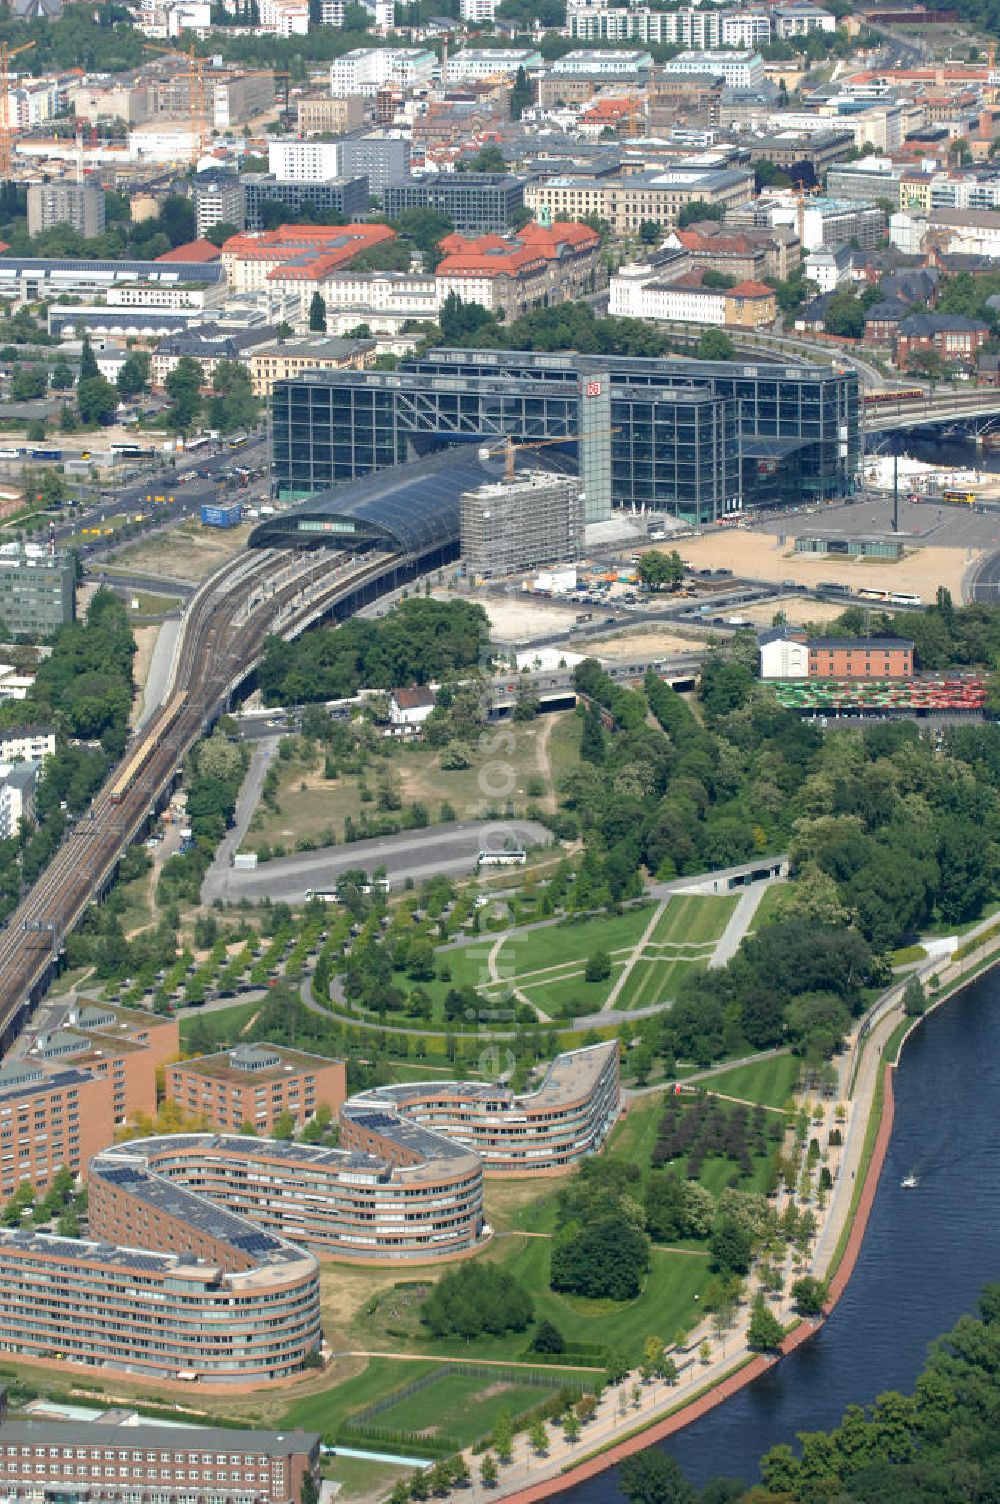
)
(521, 521)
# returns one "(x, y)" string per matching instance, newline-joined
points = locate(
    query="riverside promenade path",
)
(634, 1415)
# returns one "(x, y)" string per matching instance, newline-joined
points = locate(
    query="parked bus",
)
(514, 857)
(959, 498)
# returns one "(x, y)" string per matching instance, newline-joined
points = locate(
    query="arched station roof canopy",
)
(411, 509)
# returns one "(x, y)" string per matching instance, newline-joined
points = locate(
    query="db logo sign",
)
(593, 388)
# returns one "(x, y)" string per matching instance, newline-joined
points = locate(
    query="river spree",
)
(926, 1254)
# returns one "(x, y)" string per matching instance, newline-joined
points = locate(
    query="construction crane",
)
(510, 450)
(6, 149)
(195, 75)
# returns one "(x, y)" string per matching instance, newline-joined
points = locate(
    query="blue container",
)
(213, 516)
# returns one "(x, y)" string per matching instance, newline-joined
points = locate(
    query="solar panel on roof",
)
(254, 1242)
(377, 1120)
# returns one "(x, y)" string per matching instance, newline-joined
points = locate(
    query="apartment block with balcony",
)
(255, 1084)
(49, 1121)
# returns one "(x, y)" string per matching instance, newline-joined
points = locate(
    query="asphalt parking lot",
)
(922, 525)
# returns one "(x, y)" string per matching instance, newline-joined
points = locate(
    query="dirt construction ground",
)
(634, 645)
(760, 556)
(515, 620)
(188, 552)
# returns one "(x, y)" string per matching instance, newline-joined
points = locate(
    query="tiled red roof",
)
(193, 250)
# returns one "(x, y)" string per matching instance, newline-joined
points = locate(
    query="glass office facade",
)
(697, 439)
(797, 423)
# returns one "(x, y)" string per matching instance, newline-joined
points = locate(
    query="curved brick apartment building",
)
(202, 1258)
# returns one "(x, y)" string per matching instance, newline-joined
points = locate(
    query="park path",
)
(740, 921)
(491, 962)
(629, 966)
(544, 761)
(247, 800)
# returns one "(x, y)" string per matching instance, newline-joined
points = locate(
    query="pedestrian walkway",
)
(740, 921)
(629, 966)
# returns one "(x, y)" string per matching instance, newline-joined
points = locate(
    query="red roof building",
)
(541, 264)
(297, 256)
(192, 250)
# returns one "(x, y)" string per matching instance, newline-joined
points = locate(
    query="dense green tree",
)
(317, 312)
(654, 1477)
(844, 314)
(183, 386)
(474, 1299)
(605, 1259)
(699, 209)
(88, 361)
(420, 641)
(233, 405)
(96, 400)
(488, 158)
(177, 219)
(765, 1331)
(660, 571)
(732, 1246)
(133, 378)
(548, 1339)
(28, 383)
(715, 345)
(809, 1295)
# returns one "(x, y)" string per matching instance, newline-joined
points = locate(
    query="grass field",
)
(767, 909)
(528, 954)
(147, 604)
(225, 1024)
(694, 919)
(360, 1477)
(327, 1410)
(654, 981)
(770, 1082)
(458, 1406)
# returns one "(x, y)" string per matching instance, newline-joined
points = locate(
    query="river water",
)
(926, 1254)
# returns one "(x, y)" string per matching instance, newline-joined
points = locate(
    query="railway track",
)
(225, 626)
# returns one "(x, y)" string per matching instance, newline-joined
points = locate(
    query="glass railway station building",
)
(699, 440)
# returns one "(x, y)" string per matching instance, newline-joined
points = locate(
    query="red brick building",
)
(123, 1046)
(860, 658)
(951, 336)
(253, 1084)
(107, 1463)
(49, 1120)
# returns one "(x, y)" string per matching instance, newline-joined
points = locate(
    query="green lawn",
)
(768, 906)
(553, 945)
(360, 1478)
(224, 1024)
(460, 1406)
(769, 1082)
(326, 1411)
(564, 744)
(666, 1303)
(907, 954)
(570, 997)
(694, 918)
(655, 981)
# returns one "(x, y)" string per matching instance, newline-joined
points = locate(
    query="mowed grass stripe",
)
(694, 918)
